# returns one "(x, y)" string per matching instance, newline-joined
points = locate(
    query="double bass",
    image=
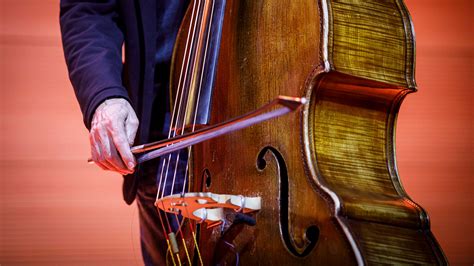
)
(325, 176)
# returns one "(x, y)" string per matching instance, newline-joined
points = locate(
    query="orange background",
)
(56, 209)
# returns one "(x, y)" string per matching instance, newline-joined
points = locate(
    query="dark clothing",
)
(152, 237)
(168, 19)
(153, 240)
(169, 16)
(93, 33)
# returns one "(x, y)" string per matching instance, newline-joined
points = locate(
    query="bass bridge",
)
(207, 207)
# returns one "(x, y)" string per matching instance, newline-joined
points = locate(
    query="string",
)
(186, 109)
(199, 93)
(167, 239)
(168, 251)
(194, 237)
(179, 154)
(179, 91)
(192, 130)
(182, 238)
(176, 115)
(175, 119)
(197, 102)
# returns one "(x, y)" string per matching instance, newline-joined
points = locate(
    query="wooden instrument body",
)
(327, 175)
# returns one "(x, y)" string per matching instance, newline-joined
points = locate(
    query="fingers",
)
(107, 154)
(95, 150)
(121, 142)
(99, 153)
(117, 162)
(114, 126)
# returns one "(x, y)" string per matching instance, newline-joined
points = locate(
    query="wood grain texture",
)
(352, 119)
(434, 144)
(372, 39)
(352, 123)
(395, 245)
(268, 49)
(271, 49)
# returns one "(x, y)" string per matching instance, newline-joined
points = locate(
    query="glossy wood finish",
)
(351, 133)
(329, 172)
(58, 211)
(372, 39)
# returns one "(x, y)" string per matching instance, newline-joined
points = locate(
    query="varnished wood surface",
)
(260, 59)
(439, 113)
(372, 39)
(345, 170)
(352, 124)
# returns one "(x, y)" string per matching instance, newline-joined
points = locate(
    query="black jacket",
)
(93, 33)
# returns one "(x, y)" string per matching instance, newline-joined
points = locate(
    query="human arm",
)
(92, 41)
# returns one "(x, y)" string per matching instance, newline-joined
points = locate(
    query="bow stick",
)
(163, 147)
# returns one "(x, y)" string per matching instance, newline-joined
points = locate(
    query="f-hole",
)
(312, 232)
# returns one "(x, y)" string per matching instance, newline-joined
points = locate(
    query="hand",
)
(113, 129)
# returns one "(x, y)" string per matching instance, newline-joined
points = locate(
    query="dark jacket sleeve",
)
(92, 41)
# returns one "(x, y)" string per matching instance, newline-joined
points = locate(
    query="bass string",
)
(201, 77)
(199, 89)
(179, 91)
(183, 83)
(189, 149)
(174, 118)
(175, 124)
(199, 93)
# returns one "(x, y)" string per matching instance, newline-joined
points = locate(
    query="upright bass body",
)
(327, 175)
